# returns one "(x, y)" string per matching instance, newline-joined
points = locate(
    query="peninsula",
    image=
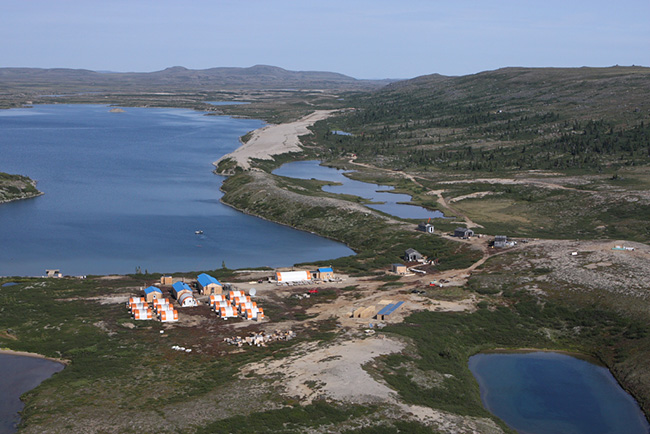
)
(16, 187)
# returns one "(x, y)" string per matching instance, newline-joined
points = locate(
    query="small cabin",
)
(412, 255)
(398, 268)
(463, 233)
(166, 280)
(208, 285)
(425, 227)
(152, 293)
(325, 273)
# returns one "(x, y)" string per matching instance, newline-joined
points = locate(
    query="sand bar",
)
(274, 140)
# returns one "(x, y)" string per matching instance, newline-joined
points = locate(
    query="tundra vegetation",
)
(556, 154)
(16, 187)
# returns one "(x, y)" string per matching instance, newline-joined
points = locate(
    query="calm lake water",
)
(19, 375)
(373, 192)
(129, 189)
(545, 393)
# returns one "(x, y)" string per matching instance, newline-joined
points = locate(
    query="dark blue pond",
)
(544, 393)
(19, 375)
(127, 190)
(389, 202)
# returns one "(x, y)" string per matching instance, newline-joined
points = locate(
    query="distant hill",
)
(178, 78)
(511, 118)
(586, 91)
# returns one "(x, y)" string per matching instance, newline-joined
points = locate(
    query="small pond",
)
(390, 202)
(20, 374)
(546, 392)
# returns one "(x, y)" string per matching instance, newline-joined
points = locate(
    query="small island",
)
(16, 187)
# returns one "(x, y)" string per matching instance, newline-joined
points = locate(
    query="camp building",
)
(179, 288)
(412, 255)
(293, 276)
(208, 285)
(500, 241)
(152, 293)
(398, 268)
(463, 232)
(325, 273)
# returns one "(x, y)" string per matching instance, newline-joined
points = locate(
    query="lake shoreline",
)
(33, 355)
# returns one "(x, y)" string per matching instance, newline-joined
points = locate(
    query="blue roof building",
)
(151, 293)
(180, 287)
(208, 284)
(325, 273)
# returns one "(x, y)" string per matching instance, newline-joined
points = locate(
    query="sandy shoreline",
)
(274, 140)
(34, 355)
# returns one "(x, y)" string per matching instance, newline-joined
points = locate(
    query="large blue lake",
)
(546, 393)
(20, 374)
(127, 190)
(390, 203)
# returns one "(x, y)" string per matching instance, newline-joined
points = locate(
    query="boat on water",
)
(199, 232)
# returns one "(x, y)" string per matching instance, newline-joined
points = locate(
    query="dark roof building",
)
(463, 233)
(412, 255)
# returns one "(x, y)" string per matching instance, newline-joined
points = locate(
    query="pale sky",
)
(363, 39)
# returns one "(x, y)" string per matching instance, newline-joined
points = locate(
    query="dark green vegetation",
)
(16, 187)
(120, 370)
(378, 241)
(509, 119)
(553, 153)
(288, 419)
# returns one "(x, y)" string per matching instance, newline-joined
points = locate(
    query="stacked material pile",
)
(260, 339)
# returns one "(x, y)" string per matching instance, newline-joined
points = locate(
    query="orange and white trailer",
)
(239, 300)
(142, 314)
(216, 297)
(218, 305)
(253, 314)
(260, 314)
(246, 305)
(168, 315)
(138, 306)
(161, 303)
(233, 294)
(227, 312)
(136, 300)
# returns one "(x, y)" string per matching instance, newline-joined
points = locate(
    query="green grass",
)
(289, 419)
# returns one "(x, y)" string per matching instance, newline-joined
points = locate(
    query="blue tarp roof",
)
(390, 308)
(179, 286)
(152, 289)
(206, 279)
(325, 270)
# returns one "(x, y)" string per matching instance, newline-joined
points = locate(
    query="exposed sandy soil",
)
(336, 372)
(274, 140)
